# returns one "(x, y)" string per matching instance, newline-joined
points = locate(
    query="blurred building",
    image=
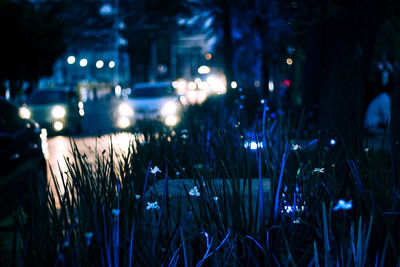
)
(190, 53)
(95, 57)
(94, 73)
(149, 53)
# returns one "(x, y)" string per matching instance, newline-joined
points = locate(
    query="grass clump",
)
(321, 205)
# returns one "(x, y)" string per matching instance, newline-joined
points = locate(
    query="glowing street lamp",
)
(71, 60)
(99, 64)
(83, 62)
(111, 64)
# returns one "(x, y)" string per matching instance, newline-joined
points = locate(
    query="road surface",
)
(97, 135)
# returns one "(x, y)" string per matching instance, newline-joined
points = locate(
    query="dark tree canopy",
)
(32, 40)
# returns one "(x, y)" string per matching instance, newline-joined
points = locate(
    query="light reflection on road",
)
(59, 149)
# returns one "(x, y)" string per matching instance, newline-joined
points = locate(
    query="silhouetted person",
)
(377, 117)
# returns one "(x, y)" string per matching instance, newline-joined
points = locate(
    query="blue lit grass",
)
(103, 217)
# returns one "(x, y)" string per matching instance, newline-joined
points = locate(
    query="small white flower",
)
(320, 170)
(194, 192)
(296, 147)
(215, 198)
(88, 236)
(155, 170)
(343, 205)
(115, 212)
(152, 205)
(137, 196)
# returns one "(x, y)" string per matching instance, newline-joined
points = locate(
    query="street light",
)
(83, 62)
(71, 60)
(99, 64)
(111, 64)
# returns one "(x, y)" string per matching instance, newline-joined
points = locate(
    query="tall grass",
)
(100, 215)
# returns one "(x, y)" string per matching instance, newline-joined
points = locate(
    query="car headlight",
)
(169, 108)
(171, 120)
(125, 110)
(80, 105)
(58, 112)
(24, 113)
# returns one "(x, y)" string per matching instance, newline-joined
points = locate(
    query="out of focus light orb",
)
(111, 64)
(203, 85)
(253, 145)
(289, 61)
(106, 9)
(123, 122)
(271, 86)
(118, 90)
(58, 126)
(192, 85)
(171, 120)
(204, 69)
(83, 62)
(99, 64)
(71, 60)
(208, 56)
(234, 84)
(24, 113)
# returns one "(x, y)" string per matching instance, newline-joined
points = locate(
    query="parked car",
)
(22, 162)
(55, 109)
(149, 102)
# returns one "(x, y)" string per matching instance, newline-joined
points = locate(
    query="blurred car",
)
(149, 102)
(22, 162)
(55, 109)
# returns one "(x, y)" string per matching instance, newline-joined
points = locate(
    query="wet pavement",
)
(98, 134)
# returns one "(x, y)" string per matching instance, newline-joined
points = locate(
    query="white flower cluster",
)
(194, 192)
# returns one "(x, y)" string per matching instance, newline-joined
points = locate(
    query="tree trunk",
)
(346, 53)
